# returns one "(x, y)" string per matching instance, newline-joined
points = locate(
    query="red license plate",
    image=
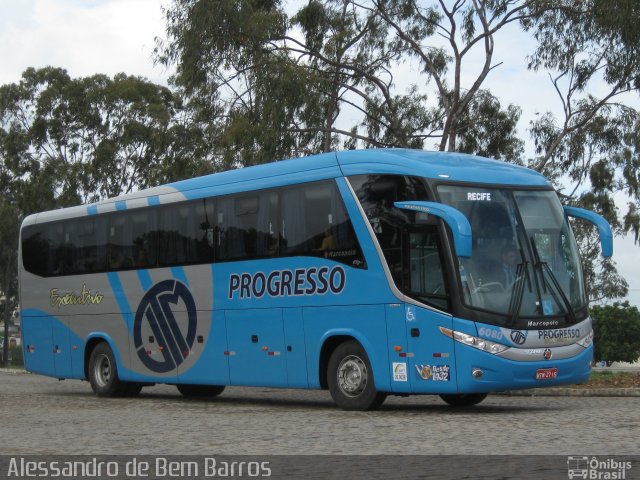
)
(546, 373)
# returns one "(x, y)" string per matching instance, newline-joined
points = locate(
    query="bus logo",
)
(518, 337)
(156, 311)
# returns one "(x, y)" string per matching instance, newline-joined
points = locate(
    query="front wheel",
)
(464, 399)
(350, 378)
(200, 390)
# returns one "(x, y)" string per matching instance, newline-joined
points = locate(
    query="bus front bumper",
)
(479, 371)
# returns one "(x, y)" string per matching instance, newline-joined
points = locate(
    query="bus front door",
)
(431, 360)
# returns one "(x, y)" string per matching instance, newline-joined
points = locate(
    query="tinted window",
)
(247, 226)
(308, 219)
(88, 253)
(185, 234)
(377, 193)
(35, 250)
(315, 222)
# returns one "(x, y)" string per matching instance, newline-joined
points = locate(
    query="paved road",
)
(44, 416)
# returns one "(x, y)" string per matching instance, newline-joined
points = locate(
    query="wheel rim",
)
(102, 370)
(352, 376)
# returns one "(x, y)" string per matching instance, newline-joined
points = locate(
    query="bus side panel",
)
(37, 340)
(62, 349)
(397, 335)
(256, 347)
(212, 366)
(321, 323)
(296, 353)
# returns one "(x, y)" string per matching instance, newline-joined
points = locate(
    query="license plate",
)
(546, 373)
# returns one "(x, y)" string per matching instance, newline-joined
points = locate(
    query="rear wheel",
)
(350, 378)
(200, 390)
(464, 399)
(133, 389)
(103, 374)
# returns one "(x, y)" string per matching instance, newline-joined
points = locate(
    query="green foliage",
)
(616, 332)
(66, 141)
(15, 354)
(485, 129)
(283, 94)
(84, 139)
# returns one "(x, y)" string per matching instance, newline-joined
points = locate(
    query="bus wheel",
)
(200, 390)
(103, 373)
(464, 399)
(133, 389)
(350, 378)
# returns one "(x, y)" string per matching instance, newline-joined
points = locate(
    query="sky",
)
(112, 36)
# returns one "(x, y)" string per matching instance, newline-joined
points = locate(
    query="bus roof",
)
(439, 165)
(455, 167)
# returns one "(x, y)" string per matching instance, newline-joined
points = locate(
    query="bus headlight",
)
(475, 342)
(586, 341)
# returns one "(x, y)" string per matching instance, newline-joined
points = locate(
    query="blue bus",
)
(367, 273)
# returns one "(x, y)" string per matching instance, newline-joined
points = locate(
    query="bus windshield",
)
(524, 261)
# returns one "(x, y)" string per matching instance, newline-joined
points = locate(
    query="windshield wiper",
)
(563, 296)
(544, 267)
(518, 292)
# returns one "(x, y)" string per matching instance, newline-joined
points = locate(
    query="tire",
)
(193, 391)
(464, 399)
(350, 378)
(103, 374)
(133, 389)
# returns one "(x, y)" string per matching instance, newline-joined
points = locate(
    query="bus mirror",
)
(604, 229)
(456, 220)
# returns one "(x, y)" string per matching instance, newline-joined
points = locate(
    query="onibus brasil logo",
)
(596, 468)
(156, 310)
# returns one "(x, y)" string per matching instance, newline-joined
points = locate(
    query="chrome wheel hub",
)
(102, 370)
(352, 376)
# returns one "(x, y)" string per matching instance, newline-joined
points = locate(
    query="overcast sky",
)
(112, 36)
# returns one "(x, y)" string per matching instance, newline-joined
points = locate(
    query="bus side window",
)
(185, 233)
(315, 223)
(248, 226)
(36, 250)
(120, 244)
(88, 254)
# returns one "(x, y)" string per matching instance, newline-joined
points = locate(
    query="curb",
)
(574, 392)
(14, 371)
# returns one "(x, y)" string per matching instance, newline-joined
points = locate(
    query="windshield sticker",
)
(436, 373)
(286, 283)
(479, 196)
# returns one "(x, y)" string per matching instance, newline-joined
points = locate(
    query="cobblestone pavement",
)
(41, 415)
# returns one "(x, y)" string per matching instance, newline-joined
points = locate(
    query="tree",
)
(616, 332)
(594, 143)
(88, 138)
(277, 83)
(333, 84)
(66, 141)
(8, 261)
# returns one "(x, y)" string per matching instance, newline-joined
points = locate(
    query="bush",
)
(15, 354)
(15, 357)
(616, 332)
